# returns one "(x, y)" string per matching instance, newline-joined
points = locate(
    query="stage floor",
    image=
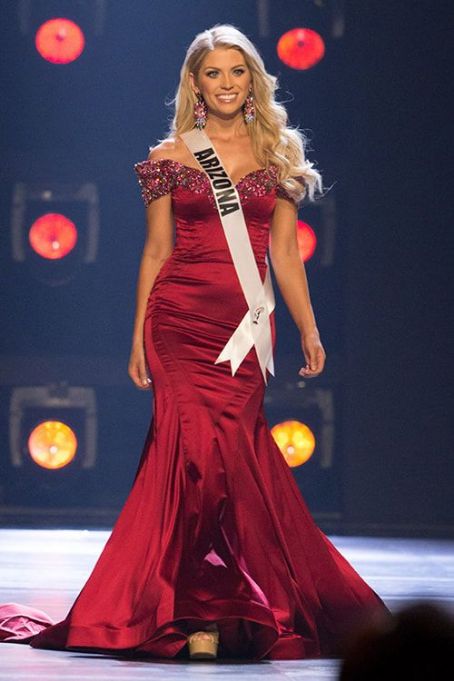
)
(47, 568)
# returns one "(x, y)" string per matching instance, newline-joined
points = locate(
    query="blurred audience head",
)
(416, 643)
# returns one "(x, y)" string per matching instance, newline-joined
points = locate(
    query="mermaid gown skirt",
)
(214, 528)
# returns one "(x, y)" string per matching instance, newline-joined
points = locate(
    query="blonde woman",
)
(215, 552)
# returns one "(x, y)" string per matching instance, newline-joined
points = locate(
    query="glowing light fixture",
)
(52, 444)
(301, 48)
(53, 236)
(295, 440)
(59, 41)
(307, 241)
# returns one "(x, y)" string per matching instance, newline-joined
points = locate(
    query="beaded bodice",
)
(158, 177)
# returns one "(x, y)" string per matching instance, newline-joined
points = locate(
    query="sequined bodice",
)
(199, 233)
(157, 177)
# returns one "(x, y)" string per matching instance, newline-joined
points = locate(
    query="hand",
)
(137, 368)
(314, 354)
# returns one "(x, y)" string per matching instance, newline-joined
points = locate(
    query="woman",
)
(215, 552)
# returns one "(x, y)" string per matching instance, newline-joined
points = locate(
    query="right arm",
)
(157, 248)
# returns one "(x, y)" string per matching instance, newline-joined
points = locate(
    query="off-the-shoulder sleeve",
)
(282, 193)
(156, 177)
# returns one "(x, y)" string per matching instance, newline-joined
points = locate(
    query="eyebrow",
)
(216, 68)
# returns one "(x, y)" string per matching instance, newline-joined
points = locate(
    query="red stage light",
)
(53, 236)
(59, 41)
(301, 48)
(307, 241)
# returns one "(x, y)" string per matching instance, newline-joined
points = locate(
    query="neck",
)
(226, 128)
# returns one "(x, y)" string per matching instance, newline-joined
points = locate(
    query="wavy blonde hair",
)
(273, 140)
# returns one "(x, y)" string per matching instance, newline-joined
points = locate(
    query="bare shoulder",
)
(172, 147)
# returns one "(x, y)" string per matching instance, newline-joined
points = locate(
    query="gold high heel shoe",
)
(203, 647)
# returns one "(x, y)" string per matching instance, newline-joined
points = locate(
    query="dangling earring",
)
(249, 108)
(200, 112)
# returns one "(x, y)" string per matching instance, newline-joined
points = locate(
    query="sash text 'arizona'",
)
(222, 185)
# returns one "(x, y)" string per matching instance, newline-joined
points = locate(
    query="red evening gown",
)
(214, 527)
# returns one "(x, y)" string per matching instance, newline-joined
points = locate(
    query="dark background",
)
(376, 113)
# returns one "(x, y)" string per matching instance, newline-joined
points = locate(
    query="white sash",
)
(255, 327)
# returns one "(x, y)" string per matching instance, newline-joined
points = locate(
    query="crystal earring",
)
(249, 108)
(200, 112)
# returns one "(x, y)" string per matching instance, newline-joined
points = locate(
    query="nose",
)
(226, 83)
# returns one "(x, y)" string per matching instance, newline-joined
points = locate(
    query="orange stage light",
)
(52, 444)
(295, 440)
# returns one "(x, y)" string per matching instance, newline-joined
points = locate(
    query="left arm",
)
(291, 277)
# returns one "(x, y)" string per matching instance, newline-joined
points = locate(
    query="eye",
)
(238, 70)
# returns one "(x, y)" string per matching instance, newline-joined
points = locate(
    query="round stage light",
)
(52, 444)
(301, 48)
(295, 440)
(307, 241)
(53, 236)
(59, 41)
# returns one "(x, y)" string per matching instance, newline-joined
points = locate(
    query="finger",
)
(144, 378)
(313, 363)
(310, 367)
(138, 379)
(140, 383)
(308, 372)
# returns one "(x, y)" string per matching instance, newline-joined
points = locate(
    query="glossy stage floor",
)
(47, 568)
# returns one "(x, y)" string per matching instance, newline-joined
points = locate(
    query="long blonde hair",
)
(273, 141)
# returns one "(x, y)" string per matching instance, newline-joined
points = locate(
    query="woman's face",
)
(223, 81)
